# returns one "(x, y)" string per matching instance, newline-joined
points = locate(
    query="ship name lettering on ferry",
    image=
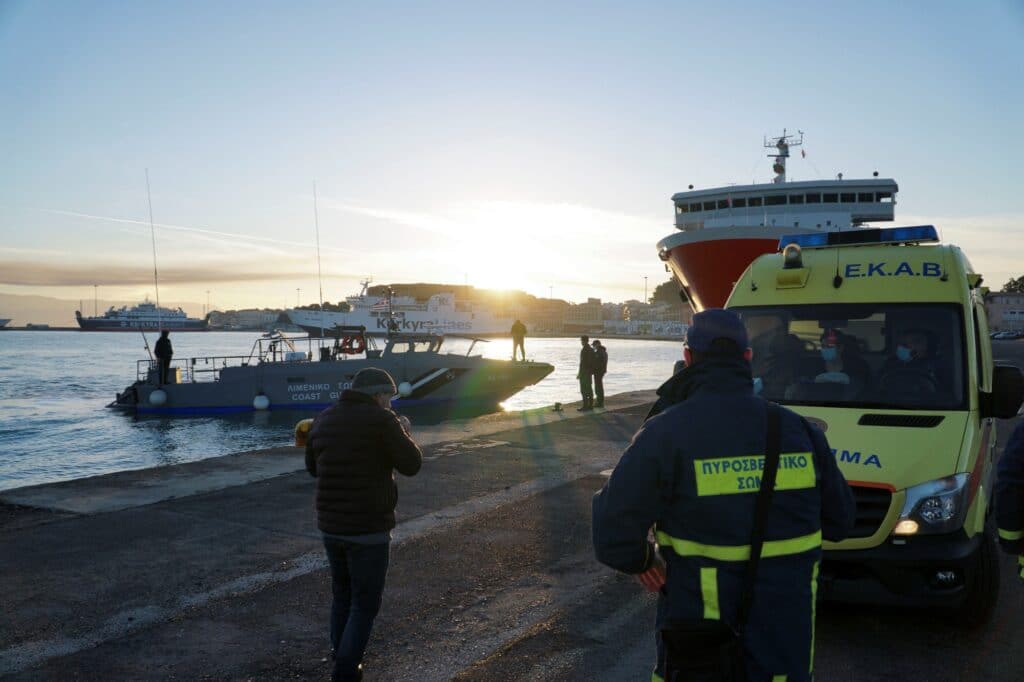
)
(419, 325)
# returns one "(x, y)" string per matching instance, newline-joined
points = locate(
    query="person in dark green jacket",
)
(691, 475)
(353, 449)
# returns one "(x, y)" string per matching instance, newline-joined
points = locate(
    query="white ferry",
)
(440, 313)
(144, 316)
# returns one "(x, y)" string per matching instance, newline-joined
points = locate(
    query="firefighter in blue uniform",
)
(690, 472)
(1010, 497)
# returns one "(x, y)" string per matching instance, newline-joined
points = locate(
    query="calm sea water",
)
(54, 387)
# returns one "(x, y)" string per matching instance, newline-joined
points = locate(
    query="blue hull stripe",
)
(236, 409)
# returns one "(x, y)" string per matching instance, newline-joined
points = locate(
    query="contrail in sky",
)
(35, 274)
(196, 230)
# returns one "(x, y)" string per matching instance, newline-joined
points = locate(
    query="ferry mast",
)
(782, 145)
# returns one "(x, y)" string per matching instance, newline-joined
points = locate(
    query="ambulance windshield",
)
(899, 356)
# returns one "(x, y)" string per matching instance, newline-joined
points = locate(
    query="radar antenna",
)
(782, 143)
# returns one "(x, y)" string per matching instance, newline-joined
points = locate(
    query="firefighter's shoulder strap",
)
(773, 444)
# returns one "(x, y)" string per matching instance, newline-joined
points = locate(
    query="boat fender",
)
(405, 389)
(302, 432)
(261, 402)
(158, 397)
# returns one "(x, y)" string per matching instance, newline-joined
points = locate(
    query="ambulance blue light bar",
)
(861, 237)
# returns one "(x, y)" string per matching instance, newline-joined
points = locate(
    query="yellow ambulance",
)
(879, 337)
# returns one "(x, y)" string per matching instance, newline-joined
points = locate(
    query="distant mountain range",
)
(58, 312)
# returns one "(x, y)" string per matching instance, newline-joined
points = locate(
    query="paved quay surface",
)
(492, 574)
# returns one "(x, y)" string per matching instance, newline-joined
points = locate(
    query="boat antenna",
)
(156, 279)
(782, 144)
(319, 275)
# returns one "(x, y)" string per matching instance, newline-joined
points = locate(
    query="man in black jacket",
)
(586, 374)
(353, 449)
(164, 353)
(518, 339)
(600, 369)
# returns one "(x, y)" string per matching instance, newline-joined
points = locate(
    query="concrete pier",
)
(214, 570)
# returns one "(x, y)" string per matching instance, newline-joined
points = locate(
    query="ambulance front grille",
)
(872, 507)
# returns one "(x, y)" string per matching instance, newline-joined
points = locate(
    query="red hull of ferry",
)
(709, 269)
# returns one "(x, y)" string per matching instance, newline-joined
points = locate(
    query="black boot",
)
(599, 403)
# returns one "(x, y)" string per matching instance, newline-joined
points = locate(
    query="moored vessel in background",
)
(439, 313)
(145, 316)
(723, 229)
(4, 322)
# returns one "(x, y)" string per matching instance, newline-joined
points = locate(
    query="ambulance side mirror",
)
(1007, 393)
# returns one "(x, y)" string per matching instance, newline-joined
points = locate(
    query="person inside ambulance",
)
(783, 363)
(913, 370)
(843, 362)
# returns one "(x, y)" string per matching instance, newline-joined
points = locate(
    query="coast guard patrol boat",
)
(307, 373)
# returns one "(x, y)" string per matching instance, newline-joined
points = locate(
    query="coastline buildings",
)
(541, 315)
(253, 319)
(1005, 311)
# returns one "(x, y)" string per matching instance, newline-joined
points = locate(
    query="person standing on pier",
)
(600, 369)
(164, 352)
(1010, 497)
(353, 449)
(736, 563)
(586, 374)
(518, 339)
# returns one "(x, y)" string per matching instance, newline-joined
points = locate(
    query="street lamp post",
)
(207, 301)
(645, 288)
(95, 310)
(297, 290)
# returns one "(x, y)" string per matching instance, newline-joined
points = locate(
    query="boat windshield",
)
(414, 345)
(888, 356)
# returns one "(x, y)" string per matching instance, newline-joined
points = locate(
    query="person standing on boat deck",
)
(518, 339)
(164, 352)
(353, 449)
(600, 369)
(586, 374)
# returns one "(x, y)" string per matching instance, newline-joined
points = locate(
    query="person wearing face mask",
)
(913, 351)
(831, 354)
(843, 363)
(913, 366)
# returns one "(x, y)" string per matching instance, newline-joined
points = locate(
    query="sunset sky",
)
(527, 145)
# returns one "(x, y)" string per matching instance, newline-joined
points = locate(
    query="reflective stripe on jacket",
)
(693, 472)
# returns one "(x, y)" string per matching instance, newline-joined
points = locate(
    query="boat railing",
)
(272, 347)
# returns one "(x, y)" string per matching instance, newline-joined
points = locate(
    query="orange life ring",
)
(353, 345)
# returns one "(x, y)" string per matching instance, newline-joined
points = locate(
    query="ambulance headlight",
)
(934, 507)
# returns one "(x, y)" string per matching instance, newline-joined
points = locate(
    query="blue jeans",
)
(357, 581)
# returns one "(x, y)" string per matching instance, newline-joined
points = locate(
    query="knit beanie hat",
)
(372, 381)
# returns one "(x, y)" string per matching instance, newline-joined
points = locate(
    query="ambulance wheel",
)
(982, 584)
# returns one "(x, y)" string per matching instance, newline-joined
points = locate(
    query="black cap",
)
(372, 381)
(713, 324)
